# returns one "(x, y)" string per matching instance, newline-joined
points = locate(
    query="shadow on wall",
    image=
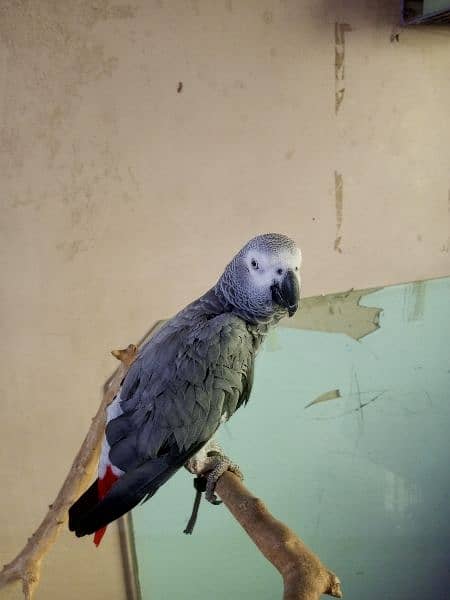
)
(382, 14)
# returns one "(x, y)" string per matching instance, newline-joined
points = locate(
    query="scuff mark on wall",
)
(195, 8)
(339, 202)
(337, 313)
(359, 405)
(399, 494)
(70, 249)
(414, 301)
(340, 30)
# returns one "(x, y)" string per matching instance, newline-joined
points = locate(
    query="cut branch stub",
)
(127, 355)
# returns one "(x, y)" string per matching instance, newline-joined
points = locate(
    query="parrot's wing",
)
(173, 399)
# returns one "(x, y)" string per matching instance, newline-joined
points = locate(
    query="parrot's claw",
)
(218, 463)
(209, 464)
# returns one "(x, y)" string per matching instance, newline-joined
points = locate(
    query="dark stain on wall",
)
(339, 203)
(340, 29)
(267, 17)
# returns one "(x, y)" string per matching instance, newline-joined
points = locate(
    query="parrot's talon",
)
(236, 471)
(219, 463)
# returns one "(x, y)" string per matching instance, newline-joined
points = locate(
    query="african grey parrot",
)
(190, 377)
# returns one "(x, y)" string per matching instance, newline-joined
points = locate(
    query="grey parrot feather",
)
(184, 379)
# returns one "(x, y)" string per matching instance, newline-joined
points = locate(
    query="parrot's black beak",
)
(287, 294)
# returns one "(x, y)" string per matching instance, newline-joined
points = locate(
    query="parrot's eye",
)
(254, 264)
(280, 271)
(296, 268)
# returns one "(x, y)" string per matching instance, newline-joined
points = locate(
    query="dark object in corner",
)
(417, 12)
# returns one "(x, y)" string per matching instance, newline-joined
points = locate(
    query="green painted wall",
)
(363, 477)
(434, 5)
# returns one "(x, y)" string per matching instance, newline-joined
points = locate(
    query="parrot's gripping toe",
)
(218, 464)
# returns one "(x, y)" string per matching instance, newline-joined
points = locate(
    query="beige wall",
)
(122, 199)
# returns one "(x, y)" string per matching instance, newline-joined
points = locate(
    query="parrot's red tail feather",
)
(104, 485)
(98, 535)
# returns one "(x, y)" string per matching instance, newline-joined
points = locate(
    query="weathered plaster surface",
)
(122, 195)
(337, 313)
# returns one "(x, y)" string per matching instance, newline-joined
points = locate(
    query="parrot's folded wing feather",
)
(184, 389)
(191, 376)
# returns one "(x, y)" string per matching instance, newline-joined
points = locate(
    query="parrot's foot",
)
(217, 465)
(209, 464)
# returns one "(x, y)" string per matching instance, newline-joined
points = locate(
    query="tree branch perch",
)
(304, 576)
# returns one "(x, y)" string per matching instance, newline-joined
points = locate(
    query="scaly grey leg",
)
(212, 462)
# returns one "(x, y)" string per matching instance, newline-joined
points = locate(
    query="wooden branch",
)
(26, 566)
(304, 576)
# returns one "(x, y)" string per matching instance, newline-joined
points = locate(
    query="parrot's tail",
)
(87, 501)
(108, 500)
(104, 485)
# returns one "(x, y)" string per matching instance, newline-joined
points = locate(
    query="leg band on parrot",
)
(200, 486)
(209, 465)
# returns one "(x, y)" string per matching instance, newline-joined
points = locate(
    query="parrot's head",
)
(263, 279)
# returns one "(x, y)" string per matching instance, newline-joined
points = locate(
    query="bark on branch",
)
(304, 575)
(305, 578)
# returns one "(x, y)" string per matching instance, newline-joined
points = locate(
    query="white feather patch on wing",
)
(113, 410)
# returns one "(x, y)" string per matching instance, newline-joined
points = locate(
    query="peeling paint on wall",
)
(337, 313)
(331, 395)
(340, 30)
(339, 202)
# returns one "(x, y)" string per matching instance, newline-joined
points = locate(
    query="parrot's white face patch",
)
(253, 280)
(268, 268)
